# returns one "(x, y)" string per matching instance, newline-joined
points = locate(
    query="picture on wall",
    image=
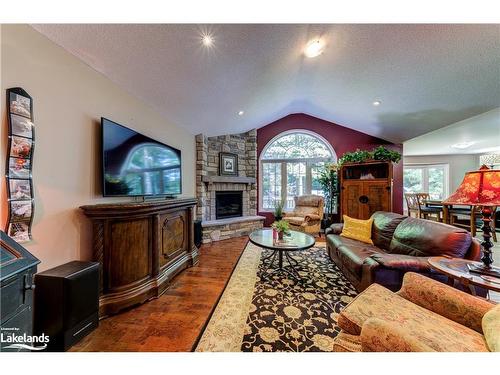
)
(21, 126)
(19, 168)
(20, 210)
(20, 105)
(228, 164)
(20, 147)
(20, 189)
(19, 231)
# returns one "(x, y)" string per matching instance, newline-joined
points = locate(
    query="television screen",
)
(136, 165)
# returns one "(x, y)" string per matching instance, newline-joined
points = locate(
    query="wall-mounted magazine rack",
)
(19, 165)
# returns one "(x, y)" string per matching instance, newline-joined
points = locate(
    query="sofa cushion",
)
(304, 210)
(419, 237)
(357, 229)
(295, 220)
(404, 263)
(491, 328)
(435, 331)
(353, 255)
(384, 225)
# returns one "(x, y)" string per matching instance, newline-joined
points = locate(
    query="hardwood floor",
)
(174, 321)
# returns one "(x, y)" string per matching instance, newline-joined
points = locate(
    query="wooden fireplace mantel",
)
(141, 246)
(228, 179)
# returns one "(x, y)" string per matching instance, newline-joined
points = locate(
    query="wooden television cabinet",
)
(141, 247)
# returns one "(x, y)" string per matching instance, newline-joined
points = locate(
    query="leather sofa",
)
(400, 244)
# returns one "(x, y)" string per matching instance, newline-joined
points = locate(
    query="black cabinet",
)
(17, 267)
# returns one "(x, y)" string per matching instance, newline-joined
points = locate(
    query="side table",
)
(456, 269)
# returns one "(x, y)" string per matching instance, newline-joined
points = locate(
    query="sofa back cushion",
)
(384, 225)
(420, 237)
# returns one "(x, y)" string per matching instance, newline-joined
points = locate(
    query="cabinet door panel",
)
(129, 252)
(350, 202)
(173, 236)
(378, 198)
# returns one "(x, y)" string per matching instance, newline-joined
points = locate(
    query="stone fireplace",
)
(239, 216)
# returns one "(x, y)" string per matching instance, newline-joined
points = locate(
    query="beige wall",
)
(69, 100)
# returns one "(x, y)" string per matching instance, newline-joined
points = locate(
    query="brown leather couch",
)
(400, 244)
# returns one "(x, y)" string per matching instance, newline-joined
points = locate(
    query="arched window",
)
(289, 167)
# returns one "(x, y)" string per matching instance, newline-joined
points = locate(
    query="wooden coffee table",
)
(296, 241)
(456, 269)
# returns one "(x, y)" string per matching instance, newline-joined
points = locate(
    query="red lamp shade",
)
(479, 188)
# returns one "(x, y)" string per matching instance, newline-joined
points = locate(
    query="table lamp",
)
(481, 188)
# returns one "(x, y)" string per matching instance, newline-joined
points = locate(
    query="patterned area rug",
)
(276, 313)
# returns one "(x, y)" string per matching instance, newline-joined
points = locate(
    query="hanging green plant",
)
(382, 153)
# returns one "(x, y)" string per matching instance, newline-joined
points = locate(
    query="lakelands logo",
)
(15, 341)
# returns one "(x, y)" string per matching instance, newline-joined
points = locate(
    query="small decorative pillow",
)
(357, 229)
(491, 328)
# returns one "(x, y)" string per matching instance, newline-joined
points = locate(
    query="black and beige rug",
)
(277, 313)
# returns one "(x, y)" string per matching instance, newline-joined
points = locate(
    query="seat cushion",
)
(357, 229)
(419, 237)
(433, 330)
(294, 220)
(384, 225)
(491, 328)
(352, 255)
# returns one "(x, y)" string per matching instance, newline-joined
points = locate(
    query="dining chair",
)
(412, 204)
(428, 210)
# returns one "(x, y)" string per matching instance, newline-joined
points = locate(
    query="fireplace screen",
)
(228, 204)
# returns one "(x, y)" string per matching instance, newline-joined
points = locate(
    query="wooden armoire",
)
(365, 188)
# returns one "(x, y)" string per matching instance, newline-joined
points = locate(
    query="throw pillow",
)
(491, 328)
(357, 229)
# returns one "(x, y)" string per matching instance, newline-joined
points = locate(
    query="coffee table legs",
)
(289, 270)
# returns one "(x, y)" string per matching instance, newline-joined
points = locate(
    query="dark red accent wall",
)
(342, 140)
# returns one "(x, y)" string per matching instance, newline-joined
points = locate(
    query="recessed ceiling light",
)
(207, 40)
(376, 103)
(314, 48)
(462, 145)
(241, 113)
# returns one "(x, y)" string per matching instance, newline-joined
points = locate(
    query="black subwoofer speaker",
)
(198, 234)
(66, 304)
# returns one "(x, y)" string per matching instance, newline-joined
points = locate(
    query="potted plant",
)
(328, 179)
(281, 227)
(278, 209)
(360, 156)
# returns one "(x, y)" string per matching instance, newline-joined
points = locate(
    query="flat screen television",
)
(136, 165)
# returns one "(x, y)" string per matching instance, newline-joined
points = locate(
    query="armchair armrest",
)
(312, 217)
(380, 336)
(401, 262)
(445, 300)
(334, 229)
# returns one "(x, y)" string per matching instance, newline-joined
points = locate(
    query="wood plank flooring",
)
(174, 321)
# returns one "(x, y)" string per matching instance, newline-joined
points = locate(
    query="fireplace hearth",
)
(228, 204)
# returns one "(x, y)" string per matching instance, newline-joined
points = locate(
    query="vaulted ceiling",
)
(426, 76)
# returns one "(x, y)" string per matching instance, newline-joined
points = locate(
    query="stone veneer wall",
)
(207, 164)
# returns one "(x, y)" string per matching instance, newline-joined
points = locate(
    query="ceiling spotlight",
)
(241, 113)
(462, 145)
(314, 48)
(207, 40)
(376, 103)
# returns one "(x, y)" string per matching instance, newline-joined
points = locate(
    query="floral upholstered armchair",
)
(307, 214)
(424, 316)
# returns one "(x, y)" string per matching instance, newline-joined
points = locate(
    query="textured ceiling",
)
(427, 76)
